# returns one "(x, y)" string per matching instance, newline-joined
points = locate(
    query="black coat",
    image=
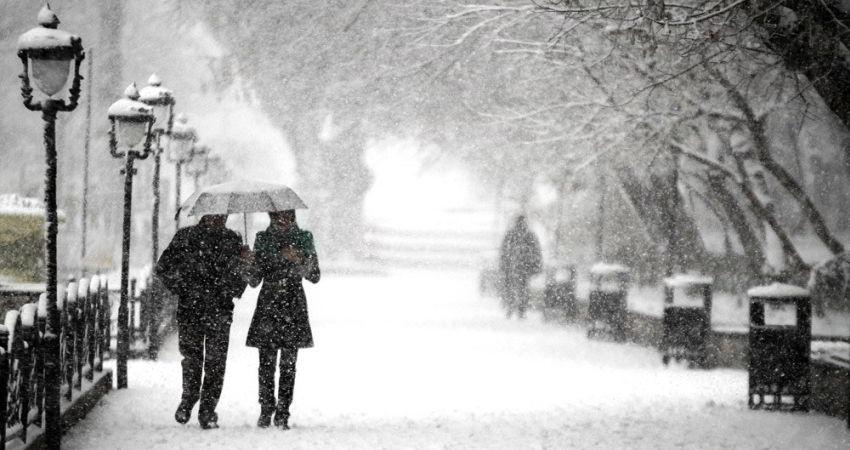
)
(201, 266)
(520, 256)
(280, 319)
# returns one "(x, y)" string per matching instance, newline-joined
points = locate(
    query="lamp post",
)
(130, 127)
(183, 138)
(162, 101)
(198, 164)
(47, 52)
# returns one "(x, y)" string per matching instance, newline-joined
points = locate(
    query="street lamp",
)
(46, 53)
(131, 123)
(162, 100)
(199, 163)
(183, 138)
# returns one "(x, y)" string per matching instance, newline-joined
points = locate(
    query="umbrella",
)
(242, 196)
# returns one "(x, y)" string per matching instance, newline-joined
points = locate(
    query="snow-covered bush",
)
(828, 283)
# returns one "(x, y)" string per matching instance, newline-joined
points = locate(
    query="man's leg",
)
(286, 386)
(512, 297)
(522, 297)
(190, 341)
(215, 360)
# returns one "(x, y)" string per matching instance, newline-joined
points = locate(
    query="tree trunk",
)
(738, 218)
(659, 211)
(763, 213)
(763, 155)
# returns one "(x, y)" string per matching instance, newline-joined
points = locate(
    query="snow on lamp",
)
(183, 138)
(198, 164)
(131, 123)
(162, 101)
(46, 53)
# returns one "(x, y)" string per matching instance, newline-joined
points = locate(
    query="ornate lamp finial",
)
(131, 92)
(47, 18)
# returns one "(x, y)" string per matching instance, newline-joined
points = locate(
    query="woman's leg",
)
(265, 378)
(286, 384)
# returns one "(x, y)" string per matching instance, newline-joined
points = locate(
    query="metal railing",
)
(85, 317)
(88, 327)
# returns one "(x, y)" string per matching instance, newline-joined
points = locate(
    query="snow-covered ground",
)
(417, 359)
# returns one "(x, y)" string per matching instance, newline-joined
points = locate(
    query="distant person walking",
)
(519, 259)
(205, 266)
(285, 254)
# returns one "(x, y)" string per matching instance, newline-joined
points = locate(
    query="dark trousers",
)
(517, 296)
(203, 345)
(286, 381)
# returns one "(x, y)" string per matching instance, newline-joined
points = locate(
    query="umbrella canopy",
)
(242, 196)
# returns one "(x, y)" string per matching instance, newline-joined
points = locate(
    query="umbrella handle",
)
(245, 227)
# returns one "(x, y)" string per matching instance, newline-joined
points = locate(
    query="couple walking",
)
(207, 266)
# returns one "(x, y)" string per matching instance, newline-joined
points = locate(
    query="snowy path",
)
(419, 360)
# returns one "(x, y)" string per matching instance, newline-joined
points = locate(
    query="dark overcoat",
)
(280, 319)
(520, 255)
(201, 266)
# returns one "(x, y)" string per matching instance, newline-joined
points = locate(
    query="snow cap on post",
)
(83, 290)
(72, 292)
(61, 296)
(42, 305)
(778, 291)
(608, 269)
(11, 323)
(688, 279)
(28, 313)
(94, 286)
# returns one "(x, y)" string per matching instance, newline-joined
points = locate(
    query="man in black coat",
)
(519, 259)
(205, 266)
(285, 254)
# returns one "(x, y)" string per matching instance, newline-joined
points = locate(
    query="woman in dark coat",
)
(284, 254)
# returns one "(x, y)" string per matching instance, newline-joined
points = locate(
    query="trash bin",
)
(559, 300)
(686, 322)
(606, 309)
(779, 347)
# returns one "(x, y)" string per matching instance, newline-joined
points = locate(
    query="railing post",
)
(103, 314)
(79, 332)
(4, 381)
(154, 312)
(52, 394)
(91, 314)
(41, 328)
(25, 359)
(107, 318)
(70, 328)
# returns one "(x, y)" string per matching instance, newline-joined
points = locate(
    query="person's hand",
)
(246, 255)
(291, 255)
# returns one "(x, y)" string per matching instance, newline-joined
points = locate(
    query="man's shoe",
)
(183, 413)
(208, 422)
(265, 417)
